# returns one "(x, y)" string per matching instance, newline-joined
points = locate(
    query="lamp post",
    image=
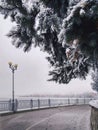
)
(13, 67)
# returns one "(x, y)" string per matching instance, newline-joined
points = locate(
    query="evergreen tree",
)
(66, 29)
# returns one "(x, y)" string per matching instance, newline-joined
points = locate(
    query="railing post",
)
(16, 105)
(38, 103)
(10, 105)
(68, 101)
(84, 100)
(31, 103)
(77, 101)
(49, 102)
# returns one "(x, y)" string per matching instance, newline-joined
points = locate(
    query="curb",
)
(36, 109)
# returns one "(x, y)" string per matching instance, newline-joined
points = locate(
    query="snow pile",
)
(94, 103)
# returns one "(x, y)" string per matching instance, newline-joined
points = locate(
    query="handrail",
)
(41, 103)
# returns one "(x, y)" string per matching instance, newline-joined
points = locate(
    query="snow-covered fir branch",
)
(66, 29)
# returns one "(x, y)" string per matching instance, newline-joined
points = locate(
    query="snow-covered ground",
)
(61, 118)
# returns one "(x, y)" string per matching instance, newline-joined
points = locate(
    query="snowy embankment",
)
(94, 114)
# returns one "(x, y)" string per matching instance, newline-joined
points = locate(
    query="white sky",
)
(32, 73)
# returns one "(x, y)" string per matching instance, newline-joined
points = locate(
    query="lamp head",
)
(10, 64)
(16, 65)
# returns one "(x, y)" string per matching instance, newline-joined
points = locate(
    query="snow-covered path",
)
(74, 118)
(63, 118)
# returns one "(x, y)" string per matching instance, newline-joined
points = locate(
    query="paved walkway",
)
(64, 118)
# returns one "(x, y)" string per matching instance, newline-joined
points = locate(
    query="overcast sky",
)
(32, 73)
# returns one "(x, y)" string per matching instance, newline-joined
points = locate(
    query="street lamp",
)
(13, 67)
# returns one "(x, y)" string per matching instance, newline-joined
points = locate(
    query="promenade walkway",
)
(61, 118)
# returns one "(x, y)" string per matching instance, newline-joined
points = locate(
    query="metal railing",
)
(41, 103)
